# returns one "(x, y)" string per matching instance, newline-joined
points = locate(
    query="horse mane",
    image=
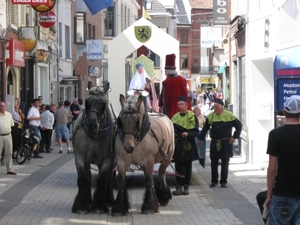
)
(96, 90)
(130, 105)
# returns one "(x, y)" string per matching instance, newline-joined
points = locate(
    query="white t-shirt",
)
(34, 112)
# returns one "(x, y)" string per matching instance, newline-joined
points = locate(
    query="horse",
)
(93, 140)
(143, 139)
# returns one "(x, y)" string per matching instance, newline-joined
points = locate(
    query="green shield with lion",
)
(142, 33)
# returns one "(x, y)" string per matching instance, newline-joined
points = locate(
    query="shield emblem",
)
(142, 33)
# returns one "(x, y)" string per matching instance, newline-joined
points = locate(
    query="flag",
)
(97, 5)
(145, 14)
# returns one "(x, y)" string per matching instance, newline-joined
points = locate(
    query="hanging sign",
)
(47, 19)
(30, 2)
(43, 7)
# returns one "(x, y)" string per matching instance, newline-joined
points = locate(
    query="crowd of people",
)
(46, 121)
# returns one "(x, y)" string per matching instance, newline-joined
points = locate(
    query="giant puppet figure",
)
(172, 87)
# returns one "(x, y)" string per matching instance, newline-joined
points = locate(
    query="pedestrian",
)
(52, 110)
(80, 102)
(283, 174)
(6, 145)
(18, 117)
(67, 104)
(46, 128)
(40, 98)
(200, 149)
(75, 109)
(186, 129)
(194, 94)
(220, 123)
(61, 116)
(172, 87)
(34, 119)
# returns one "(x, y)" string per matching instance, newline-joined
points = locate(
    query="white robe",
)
(138, 81)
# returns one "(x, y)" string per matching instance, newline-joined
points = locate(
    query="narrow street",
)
(44, 190)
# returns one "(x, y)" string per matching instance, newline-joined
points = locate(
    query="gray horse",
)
(143, 140)
(93, 140)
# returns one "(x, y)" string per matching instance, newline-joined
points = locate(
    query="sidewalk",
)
(44, 190)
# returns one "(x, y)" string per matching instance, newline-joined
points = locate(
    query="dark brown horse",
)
(93, 140)
(143, 139)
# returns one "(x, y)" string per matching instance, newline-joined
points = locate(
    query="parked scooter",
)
(29, 143)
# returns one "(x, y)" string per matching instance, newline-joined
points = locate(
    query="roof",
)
(157, 7)
(184, 12)
(203, 4)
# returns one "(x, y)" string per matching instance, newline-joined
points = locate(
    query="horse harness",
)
(143, 130)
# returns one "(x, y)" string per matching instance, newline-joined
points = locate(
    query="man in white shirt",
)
(6, 123)
(34, 119)
(46, 128)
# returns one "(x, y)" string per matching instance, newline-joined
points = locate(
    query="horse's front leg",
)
(83, 199)
(104, 187)
(150, 203)
(121, 204)
(162, 189)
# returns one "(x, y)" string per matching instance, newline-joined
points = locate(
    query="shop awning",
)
(287, 61)
(69, 80)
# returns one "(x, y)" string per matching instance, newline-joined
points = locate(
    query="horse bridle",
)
(137, 135)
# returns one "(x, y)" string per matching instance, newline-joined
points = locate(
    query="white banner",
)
(94, 49)
(211, 37)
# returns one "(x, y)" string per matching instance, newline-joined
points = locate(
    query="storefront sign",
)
(220, 12)
(42, 55)
(286, 87)
(94, 49)
(47, 19)
(30, 2)
(16, 53)
(210, 37)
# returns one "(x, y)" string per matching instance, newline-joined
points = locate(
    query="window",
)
(204, 23)
(154, 57)
(67, 42)
(93, 33)
(184, 37)
(80, 30)
(60, 39)
(109, 26)
(89, 31)
(183, 61)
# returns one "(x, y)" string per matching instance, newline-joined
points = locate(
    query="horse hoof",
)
(148, 212)
(98, 211)
(82, 212)
(163, 203)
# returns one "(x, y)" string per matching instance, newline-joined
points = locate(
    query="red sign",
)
(44, 7)
(47, 19)
(16, 50)
(30, 2)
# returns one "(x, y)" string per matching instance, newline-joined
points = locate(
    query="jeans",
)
(37, 133)
(284, 209)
